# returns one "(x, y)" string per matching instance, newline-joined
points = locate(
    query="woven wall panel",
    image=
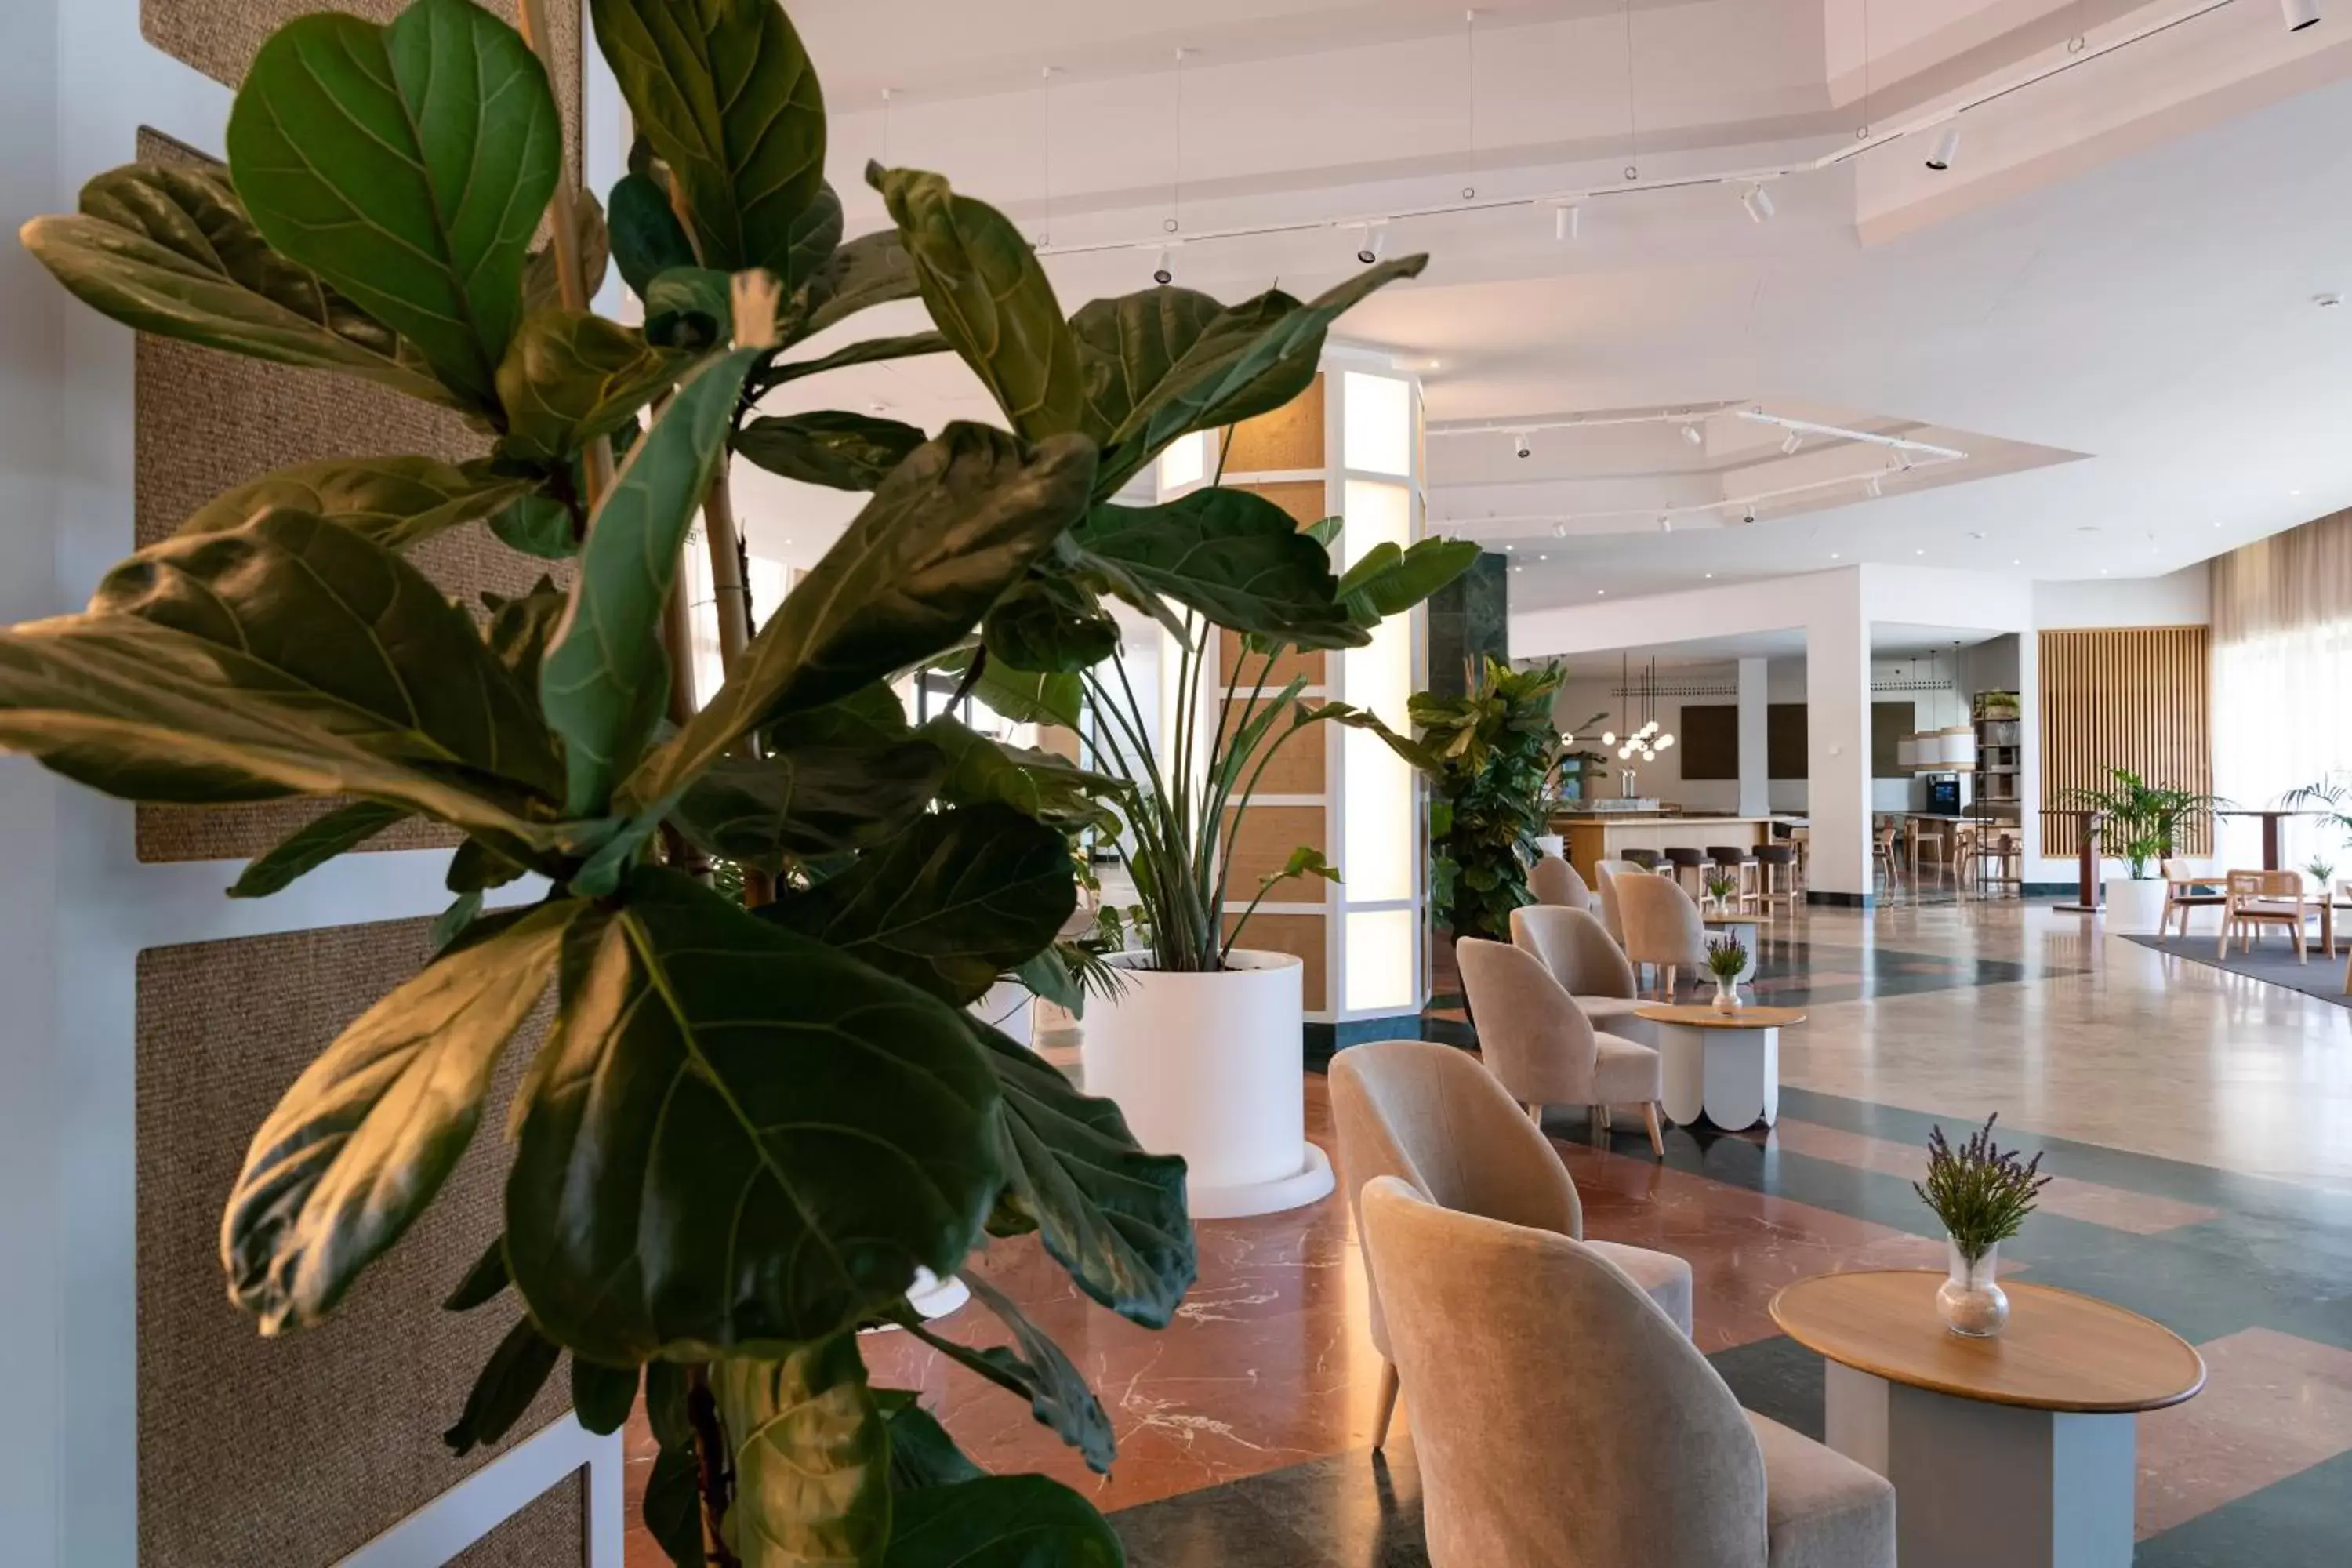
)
(295, 1450)
(220, 37)
(207, 421)
(1304, 937)
(549, 1531)
(2136, 698)
(1291, 436)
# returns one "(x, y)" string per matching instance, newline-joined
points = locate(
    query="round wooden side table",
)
(2018, 1449)
(1723, 1068)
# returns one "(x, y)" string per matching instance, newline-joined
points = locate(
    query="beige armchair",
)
(1542, 1048)
(1554, 881)
(1522, 1349)
(1605, 874)
(1662, 926)
(1576, 948)
(1433, 1116)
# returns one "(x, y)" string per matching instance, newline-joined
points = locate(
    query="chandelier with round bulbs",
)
(1652, 737)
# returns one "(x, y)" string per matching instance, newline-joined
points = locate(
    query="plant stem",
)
(710, 1462)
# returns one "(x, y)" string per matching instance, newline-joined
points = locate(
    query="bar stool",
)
(1735, 859)
(1776, 874)
(1645, 858)
(1687, 860)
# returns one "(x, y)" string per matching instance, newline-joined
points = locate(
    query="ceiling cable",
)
(1176, 182)
(1632, 118)
(1842, 154)
(1470, 98)
(1045, 150)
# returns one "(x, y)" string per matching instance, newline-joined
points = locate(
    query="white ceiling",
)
(2116, 275)
(1888, 640)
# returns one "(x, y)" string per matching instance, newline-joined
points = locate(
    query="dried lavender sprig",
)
(1981, 1192)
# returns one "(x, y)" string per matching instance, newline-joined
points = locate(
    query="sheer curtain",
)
(2282, 680)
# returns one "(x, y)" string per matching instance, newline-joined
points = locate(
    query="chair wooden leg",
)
(1388, 1405)
(1606, 1123)
(1535, 1112)
(1657, 1139)
(1668, 993)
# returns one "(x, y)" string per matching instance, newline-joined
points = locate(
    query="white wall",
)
(2181, 598)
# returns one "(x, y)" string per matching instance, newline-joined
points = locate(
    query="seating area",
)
(1341, 783)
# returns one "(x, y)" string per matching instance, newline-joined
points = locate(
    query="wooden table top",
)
(1703, 1015)
(2060, 1351)
(1733, 918)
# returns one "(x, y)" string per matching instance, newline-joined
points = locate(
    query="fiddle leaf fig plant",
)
(1489, 754)
(758, 1118)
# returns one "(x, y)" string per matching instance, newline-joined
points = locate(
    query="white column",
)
(1755, 764)
(1837, 747)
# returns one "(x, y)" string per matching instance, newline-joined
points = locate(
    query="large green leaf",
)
(1108, 1212)
(312, 845)
(1233, 555)
(504, 1389)
(950, 903)
(605, 678)
(953, 525)
(1001, 1522)
(330, 615)
(1052, 789)
(1386, 581)
(1251, 359)
(872, 270)
(807, 801)
(922, 1452)
(647, 240)
(815, 235)
(673, 1505)
(871, 350)
(1128, 346)
(570, 376)
(1049, 621)
(1027, 697)
(988, 293)
(407, 165)
(521, 629)
(842, 451)
(361, 1143)
(737, 1139)
(603, 1396)
(1039, 1370)
(395, 501)
(142, 712)
(726, 95)
(173, 252)
(812, 1458)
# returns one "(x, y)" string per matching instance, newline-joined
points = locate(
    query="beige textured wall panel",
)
(1304, 937)
(291, 1451)
(549, 1531)
(1289, 437)
(209, 421)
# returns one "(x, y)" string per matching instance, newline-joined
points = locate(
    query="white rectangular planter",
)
(1211, 1067)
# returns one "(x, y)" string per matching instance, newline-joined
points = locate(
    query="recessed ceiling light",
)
(1507, 548)
(1543, 557)
(2295, 492)
(2015, 562)
(1833, 555)
(1710, 576)
(1600, 592)
(1918, 553)
(2103, 570)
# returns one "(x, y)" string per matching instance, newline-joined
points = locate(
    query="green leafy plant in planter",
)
(1489, 754)
(2144, 821)
(750, 1127)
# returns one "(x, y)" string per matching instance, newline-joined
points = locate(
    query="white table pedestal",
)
(1978, 1483)
(1728, 1074)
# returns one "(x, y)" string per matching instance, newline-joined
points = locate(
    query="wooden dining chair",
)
(2190, 886)
(1882, 857)
(2255, 899)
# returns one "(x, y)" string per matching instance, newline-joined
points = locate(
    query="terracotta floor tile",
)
(2273, 1404)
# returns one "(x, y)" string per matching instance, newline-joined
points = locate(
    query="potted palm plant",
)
(1201, 1038)
(776, 1068)
(2143, 823)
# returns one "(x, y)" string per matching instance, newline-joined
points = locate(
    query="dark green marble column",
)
(1469, 618)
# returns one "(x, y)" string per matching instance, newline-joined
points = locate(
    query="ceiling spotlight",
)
(1519, 443)
(1875, 489)
(1559, 531)
(1568, 222)
(1948, 149)
(1376, 241)
(2299, 13)
(1790, 442)
(1691, 435)
(2327, 301)
(1665, 523)
(1160, 272)
(1758, 201)
(1747, 516)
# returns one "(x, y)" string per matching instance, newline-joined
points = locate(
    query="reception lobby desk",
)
(1606, 835)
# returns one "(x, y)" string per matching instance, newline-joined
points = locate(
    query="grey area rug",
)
(2273, 960)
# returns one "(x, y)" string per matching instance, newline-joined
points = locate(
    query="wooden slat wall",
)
(2134, 696)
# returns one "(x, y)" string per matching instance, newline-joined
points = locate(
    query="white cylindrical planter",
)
(2134, 908)
(1213, 1067)
(1011, 1008)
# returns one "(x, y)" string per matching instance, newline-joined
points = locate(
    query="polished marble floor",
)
(2199, 1124)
